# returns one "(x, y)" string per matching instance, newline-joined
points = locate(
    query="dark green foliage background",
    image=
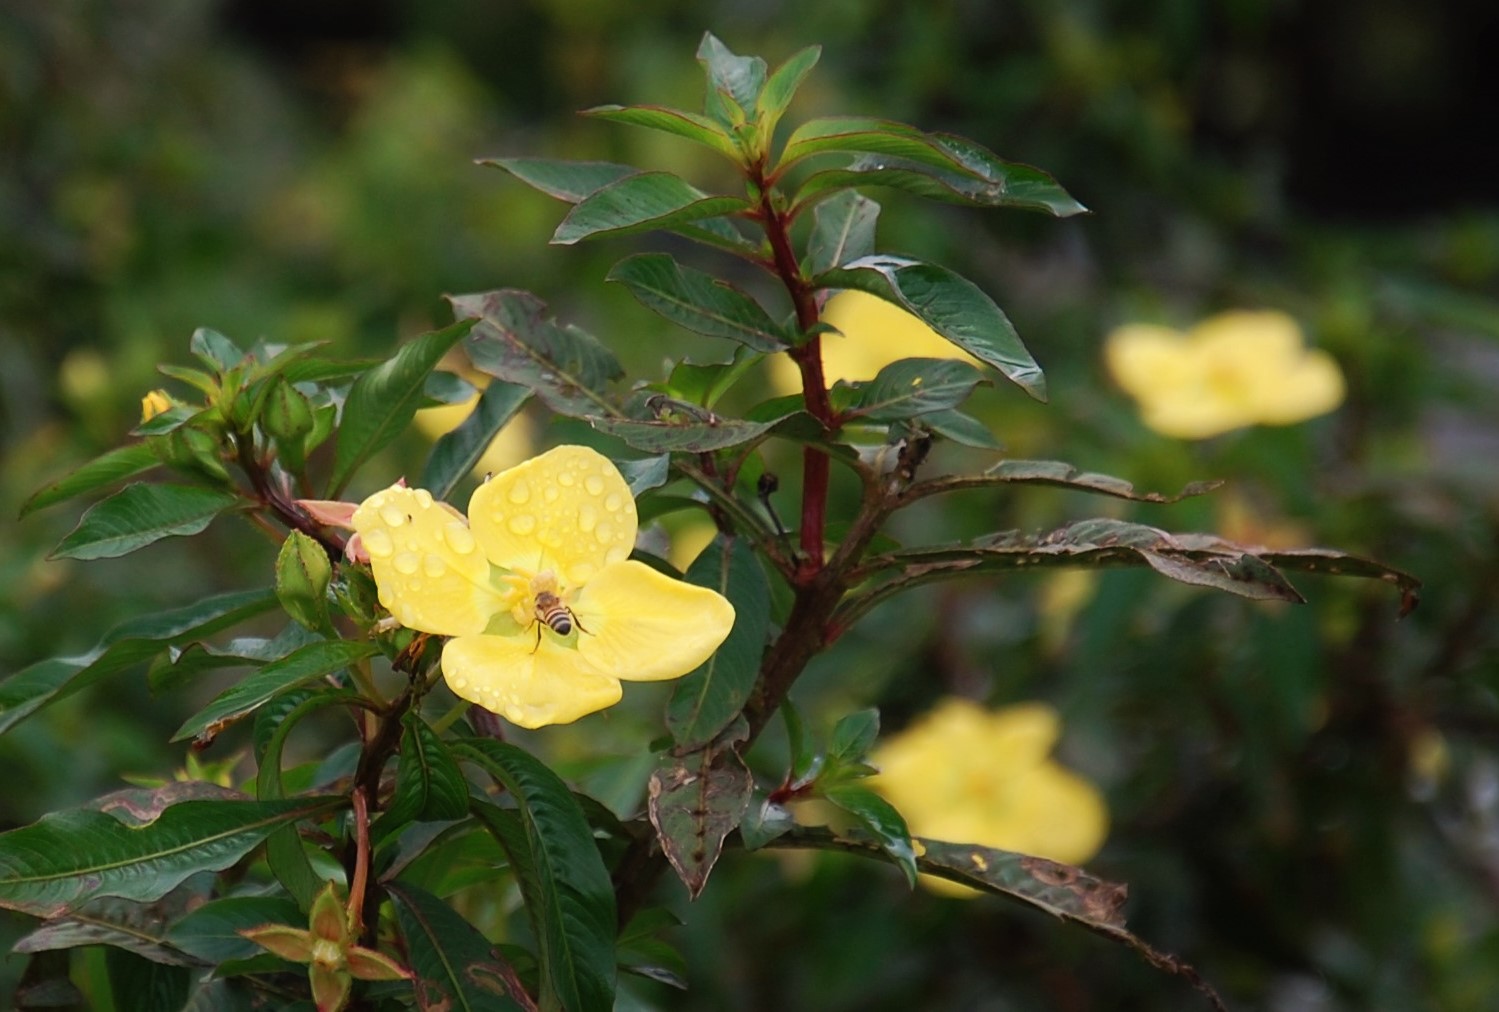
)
(308, 175)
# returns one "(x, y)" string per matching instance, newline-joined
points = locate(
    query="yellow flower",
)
(1231, 370)
(545, 609)
(154, 403)
(872, 334)
(964, 774)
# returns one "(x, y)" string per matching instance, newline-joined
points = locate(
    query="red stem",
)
(808, 358)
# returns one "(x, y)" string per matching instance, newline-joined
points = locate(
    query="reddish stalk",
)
(808, 358)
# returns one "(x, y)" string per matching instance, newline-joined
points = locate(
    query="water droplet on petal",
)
(378, 544)
(604, 532)
(393, 515)
(433, 566)
(612, 504)
(520, 492)
(550, 495)
(587, 518)
(566, 479)
(594, 484)
(522, 524)
(460, 683)
(406, 563)
(424, 498)
(458, 537)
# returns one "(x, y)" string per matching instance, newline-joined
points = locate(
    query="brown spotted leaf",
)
(695, 802)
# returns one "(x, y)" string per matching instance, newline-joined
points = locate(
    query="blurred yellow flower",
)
(1231, 370)
(872, 334)
(544, 606)
(965, 774)
(153, 404)
(511, 445)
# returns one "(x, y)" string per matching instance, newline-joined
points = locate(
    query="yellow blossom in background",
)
(546, 611)
(1231, 370)
(512, 444)
(872, 334)
(154, 403)
(966, 774)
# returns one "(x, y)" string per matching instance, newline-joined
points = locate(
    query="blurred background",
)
(1304, 801)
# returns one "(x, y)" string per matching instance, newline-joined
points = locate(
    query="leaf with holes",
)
(694, 803)
(697, 301)
(517, 340)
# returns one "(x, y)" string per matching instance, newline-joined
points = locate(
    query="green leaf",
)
(569, 897)
(951, 305)
(705, 701)
(140, 514)
(843, 228)
(138, 983)
(853, 736)
(214, 349)
(383, 400)
(177, 666)
(694, 436)
(806, 762)
(137, 927)
(284, 852)
(70, 857)
(914, 386)
(763, 821)
(643, 953)
(704, 384)
(645, 474)
(124, 646)
(781, 87)
(868, 135)
(106, 469)
(210, 933)
(642, 203)
(303, 571)
(516, 340)
(694, 803)
(962, 429)
(429, 784)
(734, 82)
(457, 452)
(300, 667)
(881, 819)
(569, 181)
(691, 125)
(456, 966)
(1006, 184)
(697, 301)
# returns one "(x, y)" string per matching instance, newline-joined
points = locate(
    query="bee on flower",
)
(545, 611)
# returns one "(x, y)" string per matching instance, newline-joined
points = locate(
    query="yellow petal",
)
(1147, 361)
(428, 567)
(528, 683)
(568, 511)
(641, 625)
(872, 333)
(1314, 388)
